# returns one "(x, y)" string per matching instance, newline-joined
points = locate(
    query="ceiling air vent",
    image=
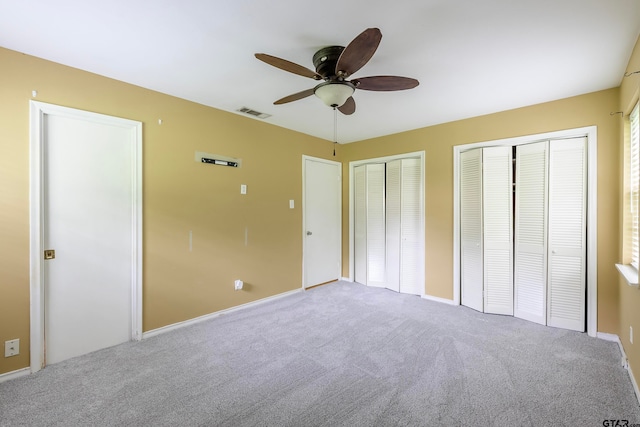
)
(254, 113)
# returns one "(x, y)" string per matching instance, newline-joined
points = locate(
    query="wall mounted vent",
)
(254, 113)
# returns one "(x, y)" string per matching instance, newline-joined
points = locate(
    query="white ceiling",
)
(471, 57)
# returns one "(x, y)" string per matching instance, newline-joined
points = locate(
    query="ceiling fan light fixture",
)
(334, 94)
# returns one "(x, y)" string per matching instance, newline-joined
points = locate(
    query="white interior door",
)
(411, 253)
(322, 221)
(530, 277)
(376, 234)
(404, 214)
(360, 223)
(497, 213)
(88, 215)
(471, 228)
(394, 223)
(388, 217)
(567, 234)
(554, 257)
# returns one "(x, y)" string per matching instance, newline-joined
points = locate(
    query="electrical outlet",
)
(631, 334)
(238, 285)
(11, 348)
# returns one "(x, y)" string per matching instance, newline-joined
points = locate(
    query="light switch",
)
(291, 204)
(243, 189)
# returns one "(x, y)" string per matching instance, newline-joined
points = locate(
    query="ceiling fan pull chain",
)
(335, 129)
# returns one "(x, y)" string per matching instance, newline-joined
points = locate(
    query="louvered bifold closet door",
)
(394, 171)
(471, 228)
(530, 258)
(567, 234)
(360, 224)
(411, 264)
(376, 228)
(497, 230)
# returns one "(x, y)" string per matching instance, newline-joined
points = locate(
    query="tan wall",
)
(629, 312)
(438, 142)
(179, 195)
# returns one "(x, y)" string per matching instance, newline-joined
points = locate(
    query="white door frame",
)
(591, 132)
(304, 216)
(38, 111)
(352, 165)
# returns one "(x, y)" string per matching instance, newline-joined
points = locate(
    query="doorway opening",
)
(386, 217)
(530, 148)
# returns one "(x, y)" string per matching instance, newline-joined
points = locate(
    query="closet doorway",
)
(524, 228)
(386, 216)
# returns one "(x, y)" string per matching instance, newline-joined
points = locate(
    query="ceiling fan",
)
(334, 65)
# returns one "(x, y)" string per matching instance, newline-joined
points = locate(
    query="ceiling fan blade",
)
(295, 96)
(358, 52)
(289, 66)
(385, 83)
(349, 107)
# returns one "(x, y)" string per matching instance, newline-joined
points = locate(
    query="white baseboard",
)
(625, 361)
(346, 279)
(635, 384)
(162, 330)
(608, 337)
(614, 338)
(438, 299)
(14, 374)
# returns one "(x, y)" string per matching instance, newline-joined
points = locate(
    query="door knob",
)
(309, 233)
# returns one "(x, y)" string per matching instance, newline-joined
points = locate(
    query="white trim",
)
(456, 227)
(136, 241)
(423, 214)
(634, 383)
(592, 230)
(35, 228)
(629, 273)
(625, 361)
(351, 196)
(8, 376)
(346, 279)
(591, 132)
(440, 300)
(179, 325)
(423, 185)
(609, 337)
(304, 216)
(38, 110)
